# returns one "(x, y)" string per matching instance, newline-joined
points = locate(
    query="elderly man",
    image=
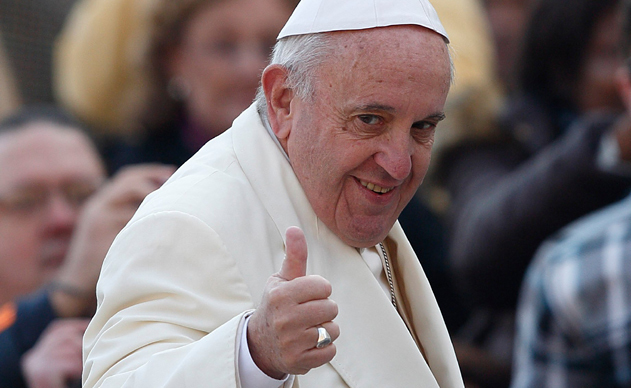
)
(261, 258)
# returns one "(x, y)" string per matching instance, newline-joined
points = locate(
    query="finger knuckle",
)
(276, 295)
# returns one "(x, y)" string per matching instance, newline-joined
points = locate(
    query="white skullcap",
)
(313, 16)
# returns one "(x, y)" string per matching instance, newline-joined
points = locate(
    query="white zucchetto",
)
(313, 16)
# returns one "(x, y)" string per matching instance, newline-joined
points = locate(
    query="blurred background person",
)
(9, 98)
(58, 217)
(574, 313)
(543, 168)
(47, 173)
(507, 20)
(159, 78)
(475, 96)
(471, 109)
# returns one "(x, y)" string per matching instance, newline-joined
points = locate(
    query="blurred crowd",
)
(523, 223)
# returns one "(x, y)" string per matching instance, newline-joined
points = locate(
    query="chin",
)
(360, 238)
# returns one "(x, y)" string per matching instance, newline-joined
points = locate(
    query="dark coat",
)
(511, 194)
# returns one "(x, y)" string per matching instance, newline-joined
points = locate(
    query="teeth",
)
(375, 188)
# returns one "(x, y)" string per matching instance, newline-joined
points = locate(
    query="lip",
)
(54, 253)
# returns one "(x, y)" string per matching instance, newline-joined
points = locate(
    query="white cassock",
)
(194, 260)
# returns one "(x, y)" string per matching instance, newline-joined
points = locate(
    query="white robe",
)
(195, 258)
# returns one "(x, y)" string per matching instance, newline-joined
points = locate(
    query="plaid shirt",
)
(574, 314)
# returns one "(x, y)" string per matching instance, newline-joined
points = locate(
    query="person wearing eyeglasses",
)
(58, 216)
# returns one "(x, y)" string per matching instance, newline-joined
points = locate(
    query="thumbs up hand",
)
(283, 331)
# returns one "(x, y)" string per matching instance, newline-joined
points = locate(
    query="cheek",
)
(16, 238)
(210, 91)
(308, 159)
(18, 251)
(316, 169)
(420, 165)
(205, 72)
(210, 77)
(303, 142)
(315, 146)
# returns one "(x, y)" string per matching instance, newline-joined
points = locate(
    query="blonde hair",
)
(108, 63)
(9, 99)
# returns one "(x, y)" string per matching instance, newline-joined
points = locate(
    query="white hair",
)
(300, 55)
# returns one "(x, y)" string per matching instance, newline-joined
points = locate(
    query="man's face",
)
(46, 172)
(361, 145)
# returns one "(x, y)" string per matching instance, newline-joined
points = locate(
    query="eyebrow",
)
(385, 108)
(438, 116)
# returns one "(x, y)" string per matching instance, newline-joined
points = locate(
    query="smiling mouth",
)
(375, 188)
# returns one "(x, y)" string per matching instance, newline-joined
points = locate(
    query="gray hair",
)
(301, 55)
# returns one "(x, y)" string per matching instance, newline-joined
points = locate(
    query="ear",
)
(279, 97)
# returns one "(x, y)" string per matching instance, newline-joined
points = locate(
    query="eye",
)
(76, 193)
(423, 131)
(25, 200)
(370, 119)
(425, 125)
(224, 47)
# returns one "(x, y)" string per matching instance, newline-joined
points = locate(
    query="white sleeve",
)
(250, 374)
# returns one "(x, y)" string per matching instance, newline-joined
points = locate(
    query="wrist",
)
(261, 359)
(70, 301)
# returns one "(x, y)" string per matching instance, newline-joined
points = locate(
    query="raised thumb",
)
(295, 263)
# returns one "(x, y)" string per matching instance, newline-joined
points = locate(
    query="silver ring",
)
(324, 338)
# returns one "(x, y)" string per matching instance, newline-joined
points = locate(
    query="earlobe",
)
(279, 97)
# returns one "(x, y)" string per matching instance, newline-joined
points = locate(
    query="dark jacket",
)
(33, 315)
(510, 194)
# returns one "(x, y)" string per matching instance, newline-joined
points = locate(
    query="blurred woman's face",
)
(596, 87)
(507, 19)
(224, 48)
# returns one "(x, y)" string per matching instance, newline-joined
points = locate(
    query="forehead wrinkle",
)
(376, 106)
(354, 50)
(361, 58)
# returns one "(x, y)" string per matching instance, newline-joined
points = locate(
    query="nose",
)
(252, 60)
(61, 214)
(395, 155)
